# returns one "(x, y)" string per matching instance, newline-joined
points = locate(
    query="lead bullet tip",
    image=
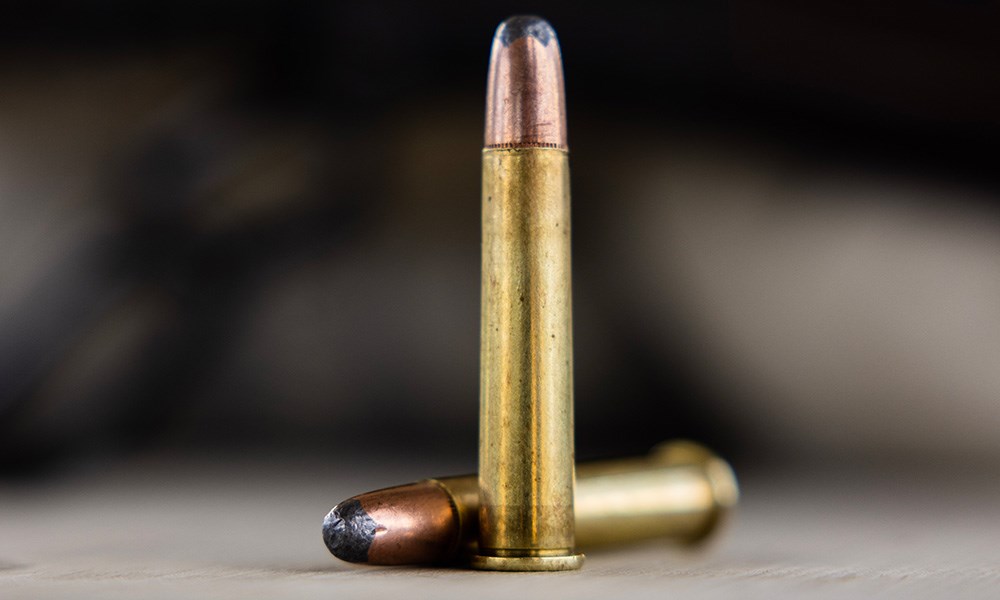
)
(348, 531)
(520, 26)
(525, 99)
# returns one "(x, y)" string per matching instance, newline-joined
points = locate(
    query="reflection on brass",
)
(679, 492)
(526, 360)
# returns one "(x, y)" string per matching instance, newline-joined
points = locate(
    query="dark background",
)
(254, 227)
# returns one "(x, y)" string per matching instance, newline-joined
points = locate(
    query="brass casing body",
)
(526, 458)
(681, 491)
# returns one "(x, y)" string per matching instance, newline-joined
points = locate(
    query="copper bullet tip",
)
(525, 99)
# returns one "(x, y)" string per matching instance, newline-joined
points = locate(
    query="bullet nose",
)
(348, 531)
(520, 26)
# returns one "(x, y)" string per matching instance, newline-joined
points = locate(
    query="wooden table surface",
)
(251, 529)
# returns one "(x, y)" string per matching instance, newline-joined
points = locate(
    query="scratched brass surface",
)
(526, 363)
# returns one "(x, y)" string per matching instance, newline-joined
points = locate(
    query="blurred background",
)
(253, 228)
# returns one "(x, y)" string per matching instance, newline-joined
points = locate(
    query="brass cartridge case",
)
(680, 491)
(526, 456)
